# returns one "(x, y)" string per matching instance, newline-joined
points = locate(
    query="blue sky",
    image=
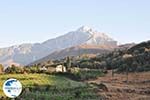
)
(29, 21)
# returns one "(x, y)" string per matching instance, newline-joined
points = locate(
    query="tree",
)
(14, 69)
(127, 73)
(97, 65)
(34, 69)
(114, 65)
(134, 66)
(128, 62)
(86, 64)
(68, 63)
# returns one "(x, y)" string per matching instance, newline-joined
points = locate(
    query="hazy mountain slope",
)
(74, 51)
(27, 53)
(83, 35)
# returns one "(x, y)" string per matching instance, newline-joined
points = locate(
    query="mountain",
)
(26, 53)
(75, 51)
(125, 46)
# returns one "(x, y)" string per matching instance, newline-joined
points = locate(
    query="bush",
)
(143, 68)
(55, 93)
(86, 65)
(88, 74)
(14, 69)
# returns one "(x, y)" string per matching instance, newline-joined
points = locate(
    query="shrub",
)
(88, 74)
(14, 69)
(86, 64)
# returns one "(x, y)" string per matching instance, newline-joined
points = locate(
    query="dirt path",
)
(137, 88)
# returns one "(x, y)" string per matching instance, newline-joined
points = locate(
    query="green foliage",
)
(14, 69)
(86, 64)
(51, 87)
(135, 59)
(54, 93)
(34, 69)
(88, 74)
(82, 74)
(68, 63)
(30, 80)
(140, 47)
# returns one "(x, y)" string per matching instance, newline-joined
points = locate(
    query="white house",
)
(60, 68)
(43, 68)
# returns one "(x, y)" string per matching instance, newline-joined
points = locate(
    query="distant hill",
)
(134, 58)
(126, 46)
(140, 46)
(27, 53)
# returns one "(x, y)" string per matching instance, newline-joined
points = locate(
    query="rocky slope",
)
(75, 51)
(27, 53)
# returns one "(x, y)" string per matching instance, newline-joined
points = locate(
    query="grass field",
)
(30, 80)
(43, 86)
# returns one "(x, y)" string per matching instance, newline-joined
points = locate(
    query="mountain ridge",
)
(26, 53)
(75, 51)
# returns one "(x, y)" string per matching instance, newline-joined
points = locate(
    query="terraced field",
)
(137, 87)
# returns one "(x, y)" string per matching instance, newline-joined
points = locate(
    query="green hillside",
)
(46, 87)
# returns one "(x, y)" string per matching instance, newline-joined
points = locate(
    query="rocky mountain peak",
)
(85, 29)
(26, 53)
